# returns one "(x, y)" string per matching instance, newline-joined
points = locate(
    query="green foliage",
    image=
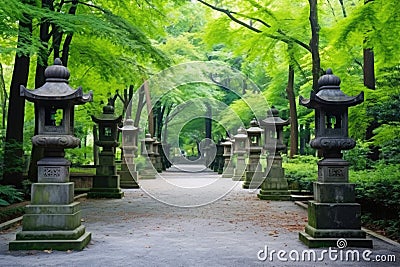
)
(378, 192)
(9, 195)
(357, 157)
(301, 172)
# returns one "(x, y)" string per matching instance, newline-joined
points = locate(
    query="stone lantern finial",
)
(57, 72)
(329, 81)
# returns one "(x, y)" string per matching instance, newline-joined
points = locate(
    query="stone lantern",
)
(275, 186)
(148, 172)
(228, 164)
(106, 181)
(240, 147)
(53, 218)
(128, 174)
(157, 155)
(332, 214)
(219, 158)
(254, 174)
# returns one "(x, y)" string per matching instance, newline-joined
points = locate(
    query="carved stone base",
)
(105, 187)
(253, 179)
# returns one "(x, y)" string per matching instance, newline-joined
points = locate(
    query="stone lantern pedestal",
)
(218, 165)
(106, 183)
(254, 174)
(128, 174)
(275, 185)
(333, 214)
(240, 150)
(148, 171)
(228, 164)
(157, 160)
(53, 218)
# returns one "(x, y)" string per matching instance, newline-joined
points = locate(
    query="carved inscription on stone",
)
(51, 172)
(336, 172)
(53, 129)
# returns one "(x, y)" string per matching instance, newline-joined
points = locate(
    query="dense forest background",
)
(112, 47)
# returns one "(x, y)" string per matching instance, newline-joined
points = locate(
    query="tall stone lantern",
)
(275, 186)
(240, 147)
(106, 182)
(148, 171)
(254, 174)
(333, 213)
(228, 164)
(53, 219)
(128, 174)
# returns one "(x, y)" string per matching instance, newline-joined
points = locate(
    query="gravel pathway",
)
(230, 230)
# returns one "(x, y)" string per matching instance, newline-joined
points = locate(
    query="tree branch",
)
(284, 38)
(229, 14)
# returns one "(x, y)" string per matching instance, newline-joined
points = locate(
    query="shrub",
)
(9, 195)
(301, 172)
(357, 157)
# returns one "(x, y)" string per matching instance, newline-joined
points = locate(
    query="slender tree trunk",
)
(314, 43)
(3, 98)
(369, 82)
(13, 152)
(44, 33)
(369, 68)
(294, 131)
(208, 122)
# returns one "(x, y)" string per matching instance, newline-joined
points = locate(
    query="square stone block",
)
(333, 171)
(46, 222)
(53, 174)
(111, 181)
(106, 170)
(334, 192)
(52, 193)
(53, 209)
(275, 172)
(334, 215)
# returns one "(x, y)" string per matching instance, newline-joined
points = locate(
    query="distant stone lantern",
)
(228, 164)
(106, 182)
(157, 155)
(254, 174)
(332, 214)
(240, 148)
(128, 174)
(275, 186)
(148, 172)
(53, 218)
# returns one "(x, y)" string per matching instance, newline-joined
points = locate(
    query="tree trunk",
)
(208, 122)
(13, 152)
(3, 98)
(37, 153)
(369, 68)
(314, 43)
(294, 131)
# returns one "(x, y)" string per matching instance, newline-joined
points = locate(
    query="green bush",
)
(301, 172)
(357, 157)
(9, 195)
(378, 192)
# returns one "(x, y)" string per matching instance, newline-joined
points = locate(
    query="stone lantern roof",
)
(107, 116)
(56, 87)
(128, 126)
(254, 128)
(227, 142)
(273, 119)
(241, 133)
(329, 94)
